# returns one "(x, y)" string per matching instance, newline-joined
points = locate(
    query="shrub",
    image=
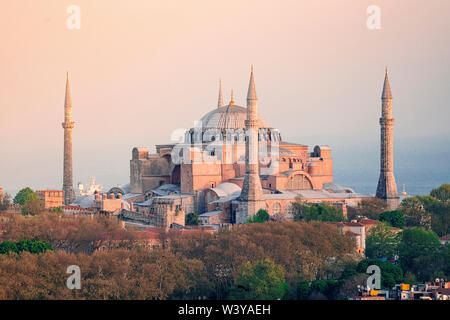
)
(192, 219)
(395, 218)
(260, 217)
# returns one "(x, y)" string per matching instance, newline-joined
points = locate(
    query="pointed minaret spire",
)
(386, 87)
(220, 102)
(232, 103)
(68, 125)
(68, 101)
(251, 95)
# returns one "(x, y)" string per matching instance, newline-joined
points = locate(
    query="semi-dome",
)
(229, 117)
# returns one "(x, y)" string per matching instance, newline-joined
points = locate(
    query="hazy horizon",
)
(140, 70)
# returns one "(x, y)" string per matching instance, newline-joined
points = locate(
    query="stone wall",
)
(138, 217)
(50, 198)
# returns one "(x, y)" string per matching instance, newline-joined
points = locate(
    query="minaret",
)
(387, 188)
(220, 102)
(232, 103)
(68, 124)
(251, 199)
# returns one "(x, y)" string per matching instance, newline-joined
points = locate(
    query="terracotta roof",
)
(368, 221)
(444, 238)
(339, 224)
(69, 207)
(445, 291)
(353, 224)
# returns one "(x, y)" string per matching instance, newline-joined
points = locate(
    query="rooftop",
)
(211, 213)
(312, 194)
(228, 117)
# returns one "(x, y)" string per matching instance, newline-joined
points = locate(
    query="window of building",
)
(276, 208)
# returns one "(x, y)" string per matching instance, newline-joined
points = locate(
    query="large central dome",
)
(229, 117)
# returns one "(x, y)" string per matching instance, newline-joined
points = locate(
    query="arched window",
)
(276, 208)
(289, 210)
(299, 182)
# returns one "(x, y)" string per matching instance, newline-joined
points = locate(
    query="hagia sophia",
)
(229, 166)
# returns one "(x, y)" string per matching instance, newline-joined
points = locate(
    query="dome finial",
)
(232, 103)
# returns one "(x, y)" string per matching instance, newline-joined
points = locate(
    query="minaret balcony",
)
(68, 125)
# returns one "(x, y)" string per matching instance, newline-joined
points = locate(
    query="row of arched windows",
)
(230, 135)
(276, 208)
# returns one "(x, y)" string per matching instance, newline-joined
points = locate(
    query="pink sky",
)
(140, 69)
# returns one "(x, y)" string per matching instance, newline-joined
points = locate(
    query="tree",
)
(419, 253)
(349, 288)
(260, 217)
(24, 245)
(371, 208)
(440, 214)
(22, 195)
(382, 242)
(442, 193)
(192, 219)
(328, 288)
(317, 212)
(7, 247)
(117, 274)
(33, 246)
(301, 288)
(415, 213)
(33, 205)
(263, 281)
(429, 212)
(395, 218)
(57, 210)
(410, 278)
(5, 202)
(302, 249)
(390, 274)
(439, 208)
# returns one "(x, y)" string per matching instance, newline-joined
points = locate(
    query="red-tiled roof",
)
(445, 291)
(353, 224)
(339, 224)
(368, 221)
(69, 207)
(444, 238)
